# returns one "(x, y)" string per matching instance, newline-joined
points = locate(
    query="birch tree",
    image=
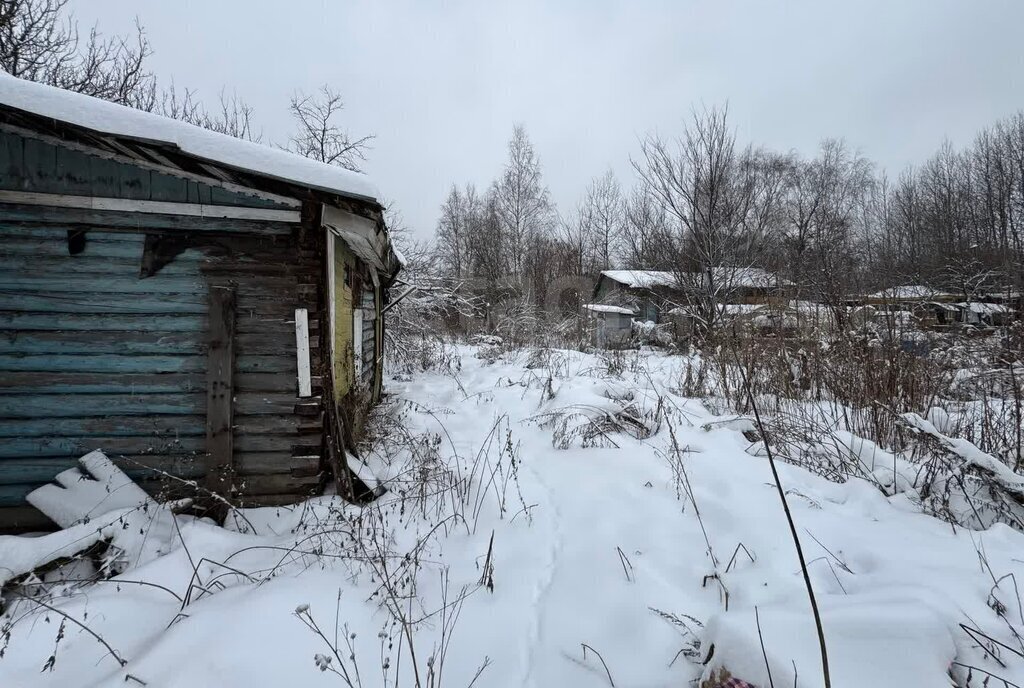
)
(522, 202)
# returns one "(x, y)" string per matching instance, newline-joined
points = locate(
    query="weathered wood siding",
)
(93, 356)
(41, 166)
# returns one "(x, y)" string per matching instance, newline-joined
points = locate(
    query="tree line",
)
(832, 224)
(41, 41)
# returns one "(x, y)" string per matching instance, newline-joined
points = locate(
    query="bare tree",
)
(826, 201)
(576, 237)
(319, 135)
(522, 201)
(40, 41)
(645, 237)
(452, 229)
(719, 203)
(234, 118)
(603, 210)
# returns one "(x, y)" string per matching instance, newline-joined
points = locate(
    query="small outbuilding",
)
(199, 307)
(612, 326)
(647, 292)
(983, 314)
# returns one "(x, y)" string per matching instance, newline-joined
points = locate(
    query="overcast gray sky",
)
(442, 83)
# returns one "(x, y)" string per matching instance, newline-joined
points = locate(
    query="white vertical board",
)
(357, 341)
(302, 352)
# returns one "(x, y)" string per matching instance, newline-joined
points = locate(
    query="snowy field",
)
(551, 519)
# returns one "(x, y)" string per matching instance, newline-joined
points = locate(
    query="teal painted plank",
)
(114, 426)
(59, 249)
(110, 342)
(76, 405)
(12, 160)
(105, 284)
(138, 363)
(105, 176)
(112, 363)
(57, 233)
(87, 302)
(38, 264)
(163, 428)
(42, 447)
(102, 363)
(107, 322)
(73, 172)
(101, 383)
(14, 495)
(33, 262)
(53, 215)
(40, 165)
(139, 342)
(186, 281)
(134, 183)
(248, 322)
(41, 471)
(166, 188)
(182, 403)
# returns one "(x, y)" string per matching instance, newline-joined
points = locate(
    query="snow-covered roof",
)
(741, 308)
(984, 308)
(400, 257)
(603, 308)
(748, 277)
(118, 120)
(640, 279)
(910, 292)
(728, 277)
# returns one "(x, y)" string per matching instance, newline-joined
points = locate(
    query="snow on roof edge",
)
(736, 277)
(605, 308)
(910, 292)
(119, 120)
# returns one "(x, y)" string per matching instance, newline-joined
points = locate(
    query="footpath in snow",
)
(551, 519)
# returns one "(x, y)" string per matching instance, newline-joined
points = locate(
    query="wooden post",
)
(220, 390)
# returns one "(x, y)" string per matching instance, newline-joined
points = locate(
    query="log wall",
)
(94, 356)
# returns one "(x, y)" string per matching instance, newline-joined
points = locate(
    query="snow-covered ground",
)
(558, 519)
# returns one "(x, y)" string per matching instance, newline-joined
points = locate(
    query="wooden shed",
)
(611, 326)
(193, 305)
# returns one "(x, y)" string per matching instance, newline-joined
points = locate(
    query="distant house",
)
(932, 308)
(983, 314)
(652, 292)
(192, 304)
(909, 293)
(646, 292)
(938, 309)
